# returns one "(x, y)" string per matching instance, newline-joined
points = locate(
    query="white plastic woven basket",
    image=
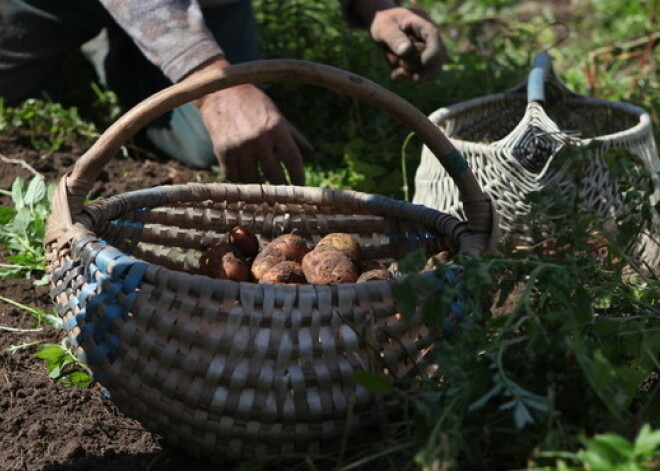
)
(512, 139)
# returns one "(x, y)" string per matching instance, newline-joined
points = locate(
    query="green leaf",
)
(17, 192)
(521, 416)
(647, 441)
(36, 191)
(21, 221)
(412, 262)
(479, 403)
(54, 371)
(406, 297)
(78, 379)
(611, 447)
(596, 461)
(377, 384)
(7, 213)
(51, 353)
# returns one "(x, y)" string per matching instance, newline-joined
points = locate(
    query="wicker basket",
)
(243, 370)
(512, 140)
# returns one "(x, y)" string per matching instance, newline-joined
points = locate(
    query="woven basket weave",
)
(244, 370)
(512, 140)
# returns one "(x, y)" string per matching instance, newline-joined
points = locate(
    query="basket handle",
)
(75, 186)
(537, 77)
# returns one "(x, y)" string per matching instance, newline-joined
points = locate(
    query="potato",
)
(265, 260)
(329, 267)
(244, 240)
(287, 272)
(235, 267)
(376, 274)
(373, 270)
(287, 247)
(223, 261)
(343, 242)
(292, 246)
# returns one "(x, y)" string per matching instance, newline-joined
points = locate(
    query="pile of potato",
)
(288, 259)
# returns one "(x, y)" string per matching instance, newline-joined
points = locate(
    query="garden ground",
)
(46, 427)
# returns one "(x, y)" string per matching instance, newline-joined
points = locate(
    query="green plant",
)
(569, 355)
(22, 229)
(63, 366)
(48, 125)
(611, 452)
(40, 317)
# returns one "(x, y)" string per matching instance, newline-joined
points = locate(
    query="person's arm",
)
(170, 33)
(411, 40)
(248, 133)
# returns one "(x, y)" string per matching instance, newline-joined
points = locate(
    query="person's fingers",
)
(269, 161)
(400, 74)
(228, 166)
(301, 140)
(289, 151)
(245, 158)
(433, 54)
(434, 51)
(392, 59)
(393, 38)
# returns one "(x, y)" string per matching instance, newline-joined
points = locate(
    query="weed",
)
(49, 126)
(22, 229)
(611, 452)
(570, 356)
(40, 317)
(63, 366)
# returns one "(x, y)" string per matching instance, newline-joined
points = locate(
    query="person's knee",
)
(185, 139)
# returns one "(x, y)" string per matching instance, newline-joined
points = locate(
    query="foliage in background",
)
(612, 452)
(572, 348)
(605, 48)
(22, 229)
(49, 126)
(602, 48)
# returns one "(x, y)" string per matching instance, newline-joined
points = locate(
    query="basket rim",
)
(275, 194)
(642, 126)
(117, 205)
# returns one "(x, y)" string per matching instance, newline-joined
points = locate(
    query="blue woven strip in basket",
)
(110, 273)
(137, 224)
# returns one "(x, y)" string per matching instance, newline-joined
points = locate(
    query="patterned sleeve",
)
(170, 33)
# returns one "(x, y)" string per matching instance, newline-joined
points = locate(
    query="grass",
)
(567, 379)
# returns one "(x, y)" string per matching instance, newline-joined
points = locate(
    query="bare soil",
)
(44, 427)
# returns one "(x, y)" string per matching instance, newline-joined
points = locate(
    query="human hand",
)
(249, 133)
(412, 41)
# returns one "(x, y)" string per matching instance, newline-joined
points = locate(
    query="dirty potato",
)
(329, 267)
(375, 274)
(343, 242)
(223, 261)
(244, 240)
(287, 247)
(284, 273)
(292, 246)
(265, 260)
